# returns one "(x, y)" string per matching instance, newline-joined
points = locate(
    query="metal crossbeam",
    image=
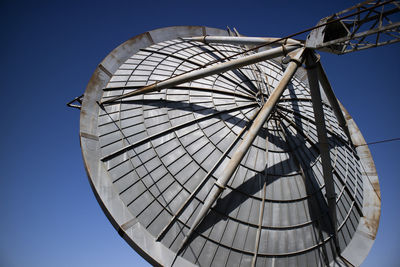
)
(372, 24)
(241, 40)
(322, 139)
(211, 70)
(248, 139)
(326, 86)
(204, 180)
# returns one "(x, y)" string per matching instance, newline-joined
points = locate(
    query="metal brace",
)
(76, 100)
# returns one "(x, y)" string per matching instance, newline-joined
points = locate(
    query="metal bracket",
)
(77, 101)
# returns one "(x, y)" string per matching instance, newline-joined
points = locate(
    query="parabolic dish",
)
(153, 158)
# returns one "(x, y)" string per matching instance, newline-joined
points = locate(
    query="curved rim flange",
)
(116, 211)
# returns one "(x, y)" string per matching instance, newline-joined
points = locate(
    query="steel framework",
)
(343, 32)
(366, 25)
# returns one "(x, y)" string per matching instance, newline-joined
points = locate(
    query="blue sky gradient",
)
(50, 49)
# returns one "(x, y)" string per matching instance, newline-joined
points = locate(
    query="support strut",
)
(214, 69)
(322, 140)
(248, 139)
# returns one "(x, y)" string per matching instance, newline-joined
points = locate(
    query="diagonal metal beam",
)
(215, 69)
(240, 40)
(192, 88)
(199, 66)
(221, 58)
(326, 86)
(254, 68)
(169, 130)
(322, 140)
(295, 113)
(333, 34)
(248, 139)
(315, 146)
(203, 181)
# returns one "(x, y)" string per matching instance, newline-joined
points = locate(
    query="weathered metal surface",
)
(237, 157)
(326, 86)
(204, 72)
(77, 100)
(152, 160)
(368, 24)
(311, 61)
(367, 229)
(241, 40)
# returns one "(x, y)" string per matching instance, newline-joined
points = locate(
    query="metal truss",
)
(366, 25)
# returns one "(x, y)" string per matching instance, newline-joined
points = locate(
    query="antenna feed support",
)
(291, 56)
(315, 60)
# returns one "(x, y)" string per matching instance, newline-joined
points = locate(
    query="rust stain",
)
(377, 189)
(374, 201)
(372, 223)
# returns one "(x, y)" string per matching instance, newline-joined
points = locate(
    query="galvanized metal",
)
(323, 143)
(247, 141)
(153, 159)
(330, 95)
(203, 181)
(77, 100)
(200, 73)
(371, 24)
(241, 40)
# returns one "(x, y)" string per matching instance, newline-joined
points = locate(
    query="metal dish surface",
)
(182, 137)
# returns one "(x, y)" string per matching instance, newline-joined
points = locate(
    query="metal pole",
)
(322, 140)
(262, 208)
(248, 139)
(200, 73)
(326, 86)
(241, 40)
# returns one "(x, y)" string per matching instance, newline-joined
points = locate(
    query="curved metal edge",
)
(120, 217)
(364, 237)
(116, 211)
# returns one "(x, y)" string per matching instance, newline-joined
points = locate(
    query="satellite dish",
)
(159, 148)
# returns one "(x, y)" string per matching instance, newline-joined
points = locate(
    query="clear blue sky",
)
(49, 216)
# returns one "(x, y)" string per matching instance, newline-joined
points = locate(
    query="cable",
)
(307, 30)
(381, 141)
